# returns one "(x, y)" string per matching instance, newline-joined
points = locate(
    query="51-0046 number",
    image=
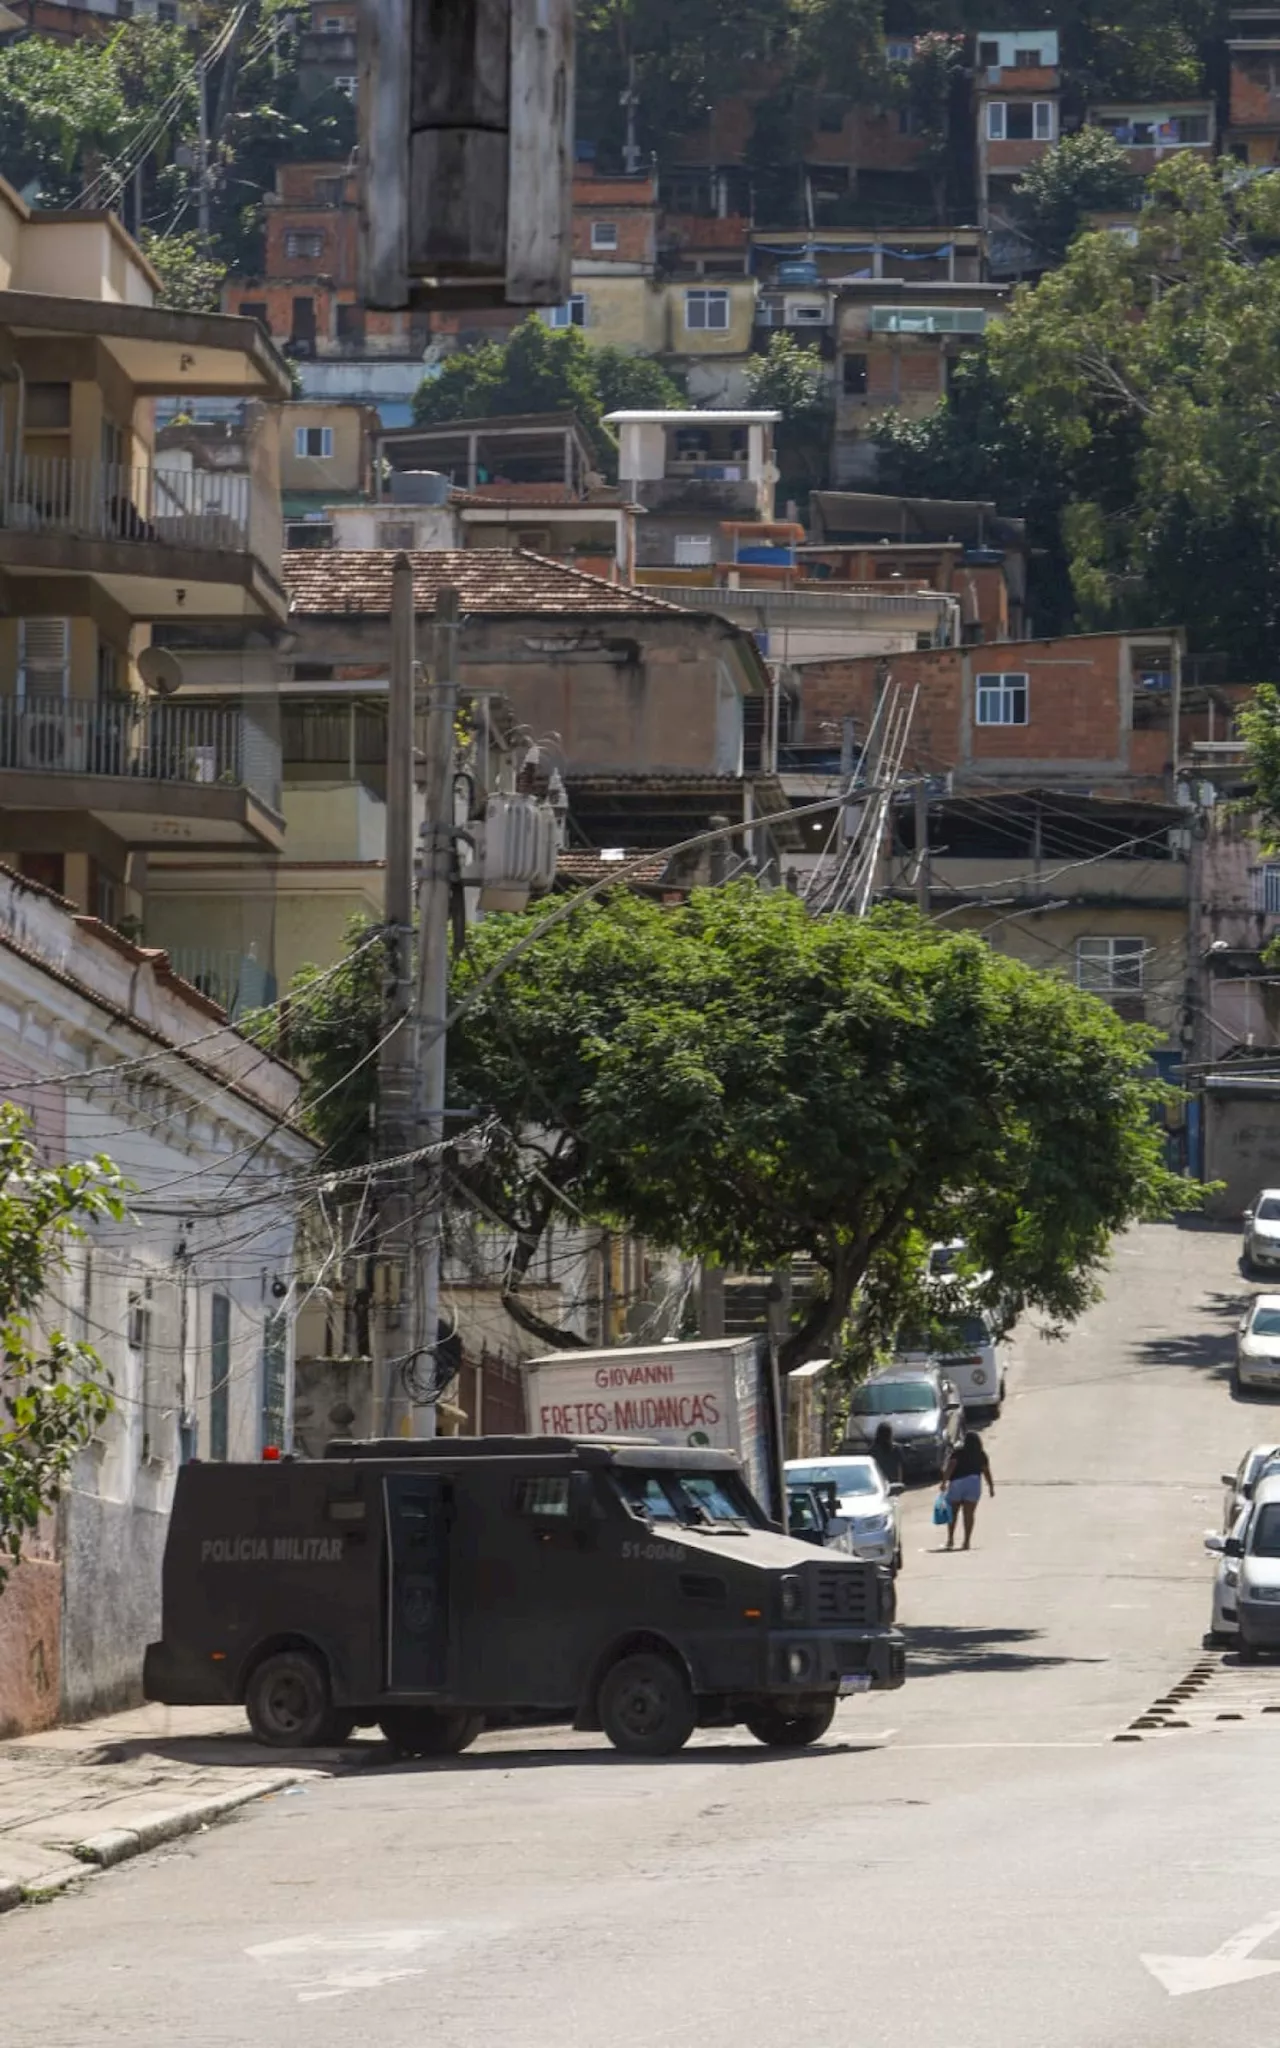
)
(654, 1553)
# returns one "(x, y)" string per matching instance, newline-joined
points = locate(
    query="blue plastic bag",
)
(942, 1511)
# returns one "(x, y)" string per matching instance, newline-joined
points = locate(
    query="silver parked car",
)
(924, 1413)
(867, 1506)
(1262, 1232)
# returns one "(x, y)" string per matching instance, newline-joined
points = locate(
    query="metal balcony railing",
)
(235, 980)
(112, 501)
(125, 736)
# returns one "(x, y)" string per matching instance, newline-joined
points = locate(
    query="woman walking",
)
(966, 1469)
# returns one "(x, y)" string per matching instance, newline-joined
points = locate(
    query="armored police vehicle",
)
(436, 1588)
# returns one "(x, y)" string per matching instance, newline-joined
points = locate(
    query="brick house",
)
(1017, 101)
(1095, 710)
(1253, 121)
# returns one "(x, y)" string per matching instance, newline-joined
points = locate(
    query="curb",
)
(117, 1845)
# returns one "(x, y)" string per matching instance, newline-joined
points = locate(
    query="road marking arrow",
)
(1229, 1964)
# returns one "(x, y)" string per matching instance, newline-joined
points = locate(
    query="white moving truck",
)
(720, 1393)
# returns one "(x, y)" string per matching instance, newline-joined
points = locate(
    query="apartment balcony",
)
(164, 542)
(154, 774)
(236, 981)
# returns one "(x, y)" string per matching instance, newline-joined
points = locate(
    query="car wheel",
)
(777, 1729)
(646, 1707)
(1218, 1639)
(287, 1701)
(429, 1731)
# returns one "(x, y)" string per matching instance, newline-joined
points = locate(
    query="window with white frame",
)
(1021, 120)
(303, 242)
(1107, 966)
(706, 311)
(1002, 699)
(692, 550)
(573, 313)
(604, 234)
(313, 441)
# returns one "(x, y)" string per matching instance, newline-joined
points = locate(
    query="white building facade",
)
(190, 1303)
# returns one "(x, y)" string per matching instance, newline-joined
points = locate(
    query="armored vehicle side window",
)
(694, 1498)
(644, 1495)
(716, 1498)
(542, 1497)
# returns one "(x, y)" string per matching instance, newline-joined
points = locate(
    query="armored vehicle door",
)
(419, 1518)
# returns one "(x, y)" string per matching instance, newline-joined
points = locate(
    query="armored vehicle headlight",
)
(799, 1661)
(792, 1596)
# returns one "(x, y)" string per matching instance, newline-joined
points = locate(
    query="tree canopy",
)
(1126, 404)
(53, 1391)
(742, 1081)
(1088, 172)
(545, 369)
(790, 379)
(112, 122)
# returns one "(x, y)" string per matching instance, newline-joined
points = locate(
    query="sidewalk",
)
(76, 1800)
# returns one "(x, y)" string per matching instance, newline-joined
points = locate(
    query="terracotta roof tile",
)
(578, 867)
(335, 583)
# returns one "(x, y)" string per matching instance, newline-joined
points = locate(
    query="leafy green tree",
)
(545, 369)
(333, 1022)
(791, 379)
(1088, 172)
(191, 281)
(742, 1081)
(53, 1391)
(1132, 390)
(937, 61)
(627, 383)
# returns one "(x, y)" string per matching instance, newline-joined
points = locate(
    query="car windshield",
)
(692, 1498)
(855, 1477)
(944, 1258)
(1265, 1323)
(1268, 1211)
(1266, 1531)
(895, 1397)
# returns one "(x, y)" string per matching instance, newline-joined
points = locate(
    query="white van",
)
(965, 1347)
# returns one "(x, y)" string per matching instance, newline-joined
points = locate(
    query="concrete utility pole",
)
(432, 1004)
(396, 1130)
(924, 870)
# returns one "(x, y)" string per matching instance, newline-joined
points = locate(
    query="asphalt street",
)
(972, 1859)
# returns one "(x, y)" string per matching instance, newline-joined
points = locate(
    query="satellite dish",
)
(160, 670)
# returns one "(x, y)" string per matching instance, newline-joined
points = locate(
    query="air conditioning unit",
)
(53, 737)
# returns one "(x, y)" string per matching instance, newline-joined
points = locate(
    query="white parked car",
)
(867, 1505)
(1258, 1344)
(1224, 1620)
(1262, 1231)
(1255, 1551)
(1258, 1462)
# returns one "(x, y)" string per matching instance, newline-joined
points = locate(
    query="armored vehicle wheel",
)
(287, 1701)
(429, 1731)
(778, 1729)
(646, 1707)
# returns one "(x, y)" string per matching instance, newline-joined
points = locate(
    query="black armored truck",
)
(439, 1587)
